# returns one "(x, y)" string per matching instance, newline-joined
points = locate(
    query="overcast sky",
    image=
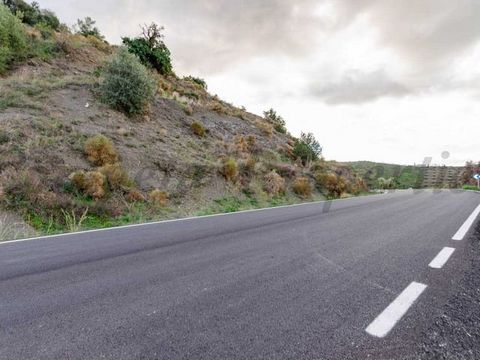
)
(382, 80)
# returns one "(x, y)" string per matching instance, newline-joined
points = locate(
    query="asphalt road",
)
(300, 282)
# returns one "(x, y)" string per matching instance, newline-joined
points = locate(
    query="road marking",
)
(441, 258)
(460, 234)
(387, 319)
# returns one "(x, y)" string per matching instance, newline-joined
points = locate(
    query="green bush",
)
(198, 128)
(127, 86)
(31, 14)
(150, 49)
(13, 39)
(86, 27)
(307, 148)
(197, 81)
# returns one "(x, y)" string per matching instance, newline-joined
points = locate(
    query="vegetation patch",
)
(126, 84)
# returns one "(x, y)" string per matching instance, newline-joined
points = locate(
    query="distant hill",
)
(409, 176)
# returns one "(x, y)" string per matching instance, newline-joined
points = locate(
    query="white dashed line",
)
(460, 234)
(385, 322)
(441, 258)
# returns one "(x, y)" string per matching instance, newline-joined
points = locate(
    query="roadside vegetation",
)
(93, 135)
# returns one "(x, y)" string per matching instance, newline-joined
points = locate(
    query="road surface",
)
(353, 279)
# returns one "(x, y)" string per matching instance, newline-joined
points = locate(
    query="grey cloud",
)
(211, 36)
(357, 87)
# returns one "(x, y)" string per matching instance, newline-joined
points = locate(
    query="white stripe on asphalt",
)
(385, 322)
(441, 258)
(460, 234)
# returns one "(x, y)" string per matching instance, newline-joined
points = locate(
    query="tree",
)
(86, 27)
(276, 120)
(150, 48)
(31, 14)
(307, 148)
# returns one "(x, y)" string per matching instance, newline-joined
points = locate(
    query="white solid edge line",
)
(387, 319)
(460, 234)
(441, 258)
(181, 219)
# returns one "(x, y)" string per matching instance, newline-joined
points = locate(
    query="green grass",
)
(470, 187)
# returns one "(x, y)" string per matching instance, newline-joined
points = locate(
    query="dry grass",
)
(230, 170)
(266, 128)
(134, 195)
(116, 176)
(158, 198)
(91, 183)
(274, 183)
(100, 151)
(301, 186)
(334, 185)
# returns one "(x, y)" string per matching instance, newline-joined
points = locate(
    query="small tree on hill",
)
(307, 148)
(86, 27)
(150, 48)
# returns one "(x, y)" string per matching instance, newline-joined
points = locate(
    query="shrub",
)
(241, 144)
(116, 176)
(13, 39)
(265, 127)
(274, 183)
(386, 183)
(134, 195)
(334, 185)
(301, 186)
(150, 49)
(91, 183)
(100, 151)
(307, 148)
(86, 27)
(197, 81)
(158, 198)
(276, 120)
(230, 170)
(20, 188)
(31, 14)
(198, 128)
(127, 85)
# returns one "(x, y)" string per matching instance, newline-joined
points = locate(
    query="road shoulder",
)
(455, 332)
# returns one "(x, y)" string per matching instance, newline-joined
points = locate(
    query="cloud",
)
(358, 87)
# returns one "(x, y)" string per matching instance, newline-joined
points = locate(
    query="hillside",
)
(403, 176)
(186, 153)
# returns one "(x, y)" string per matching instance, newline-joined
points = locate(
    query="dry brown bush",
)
(116, 176)
(100, 151)
(158, 198)
(266, 128)
(241, 144)
(301, 186)
(134, 195)
(91, 183)
(274, 183)
(230, 170)
(334, 185)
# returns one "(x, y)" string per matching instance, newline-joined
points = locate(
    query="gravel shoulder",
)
(455, 332)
